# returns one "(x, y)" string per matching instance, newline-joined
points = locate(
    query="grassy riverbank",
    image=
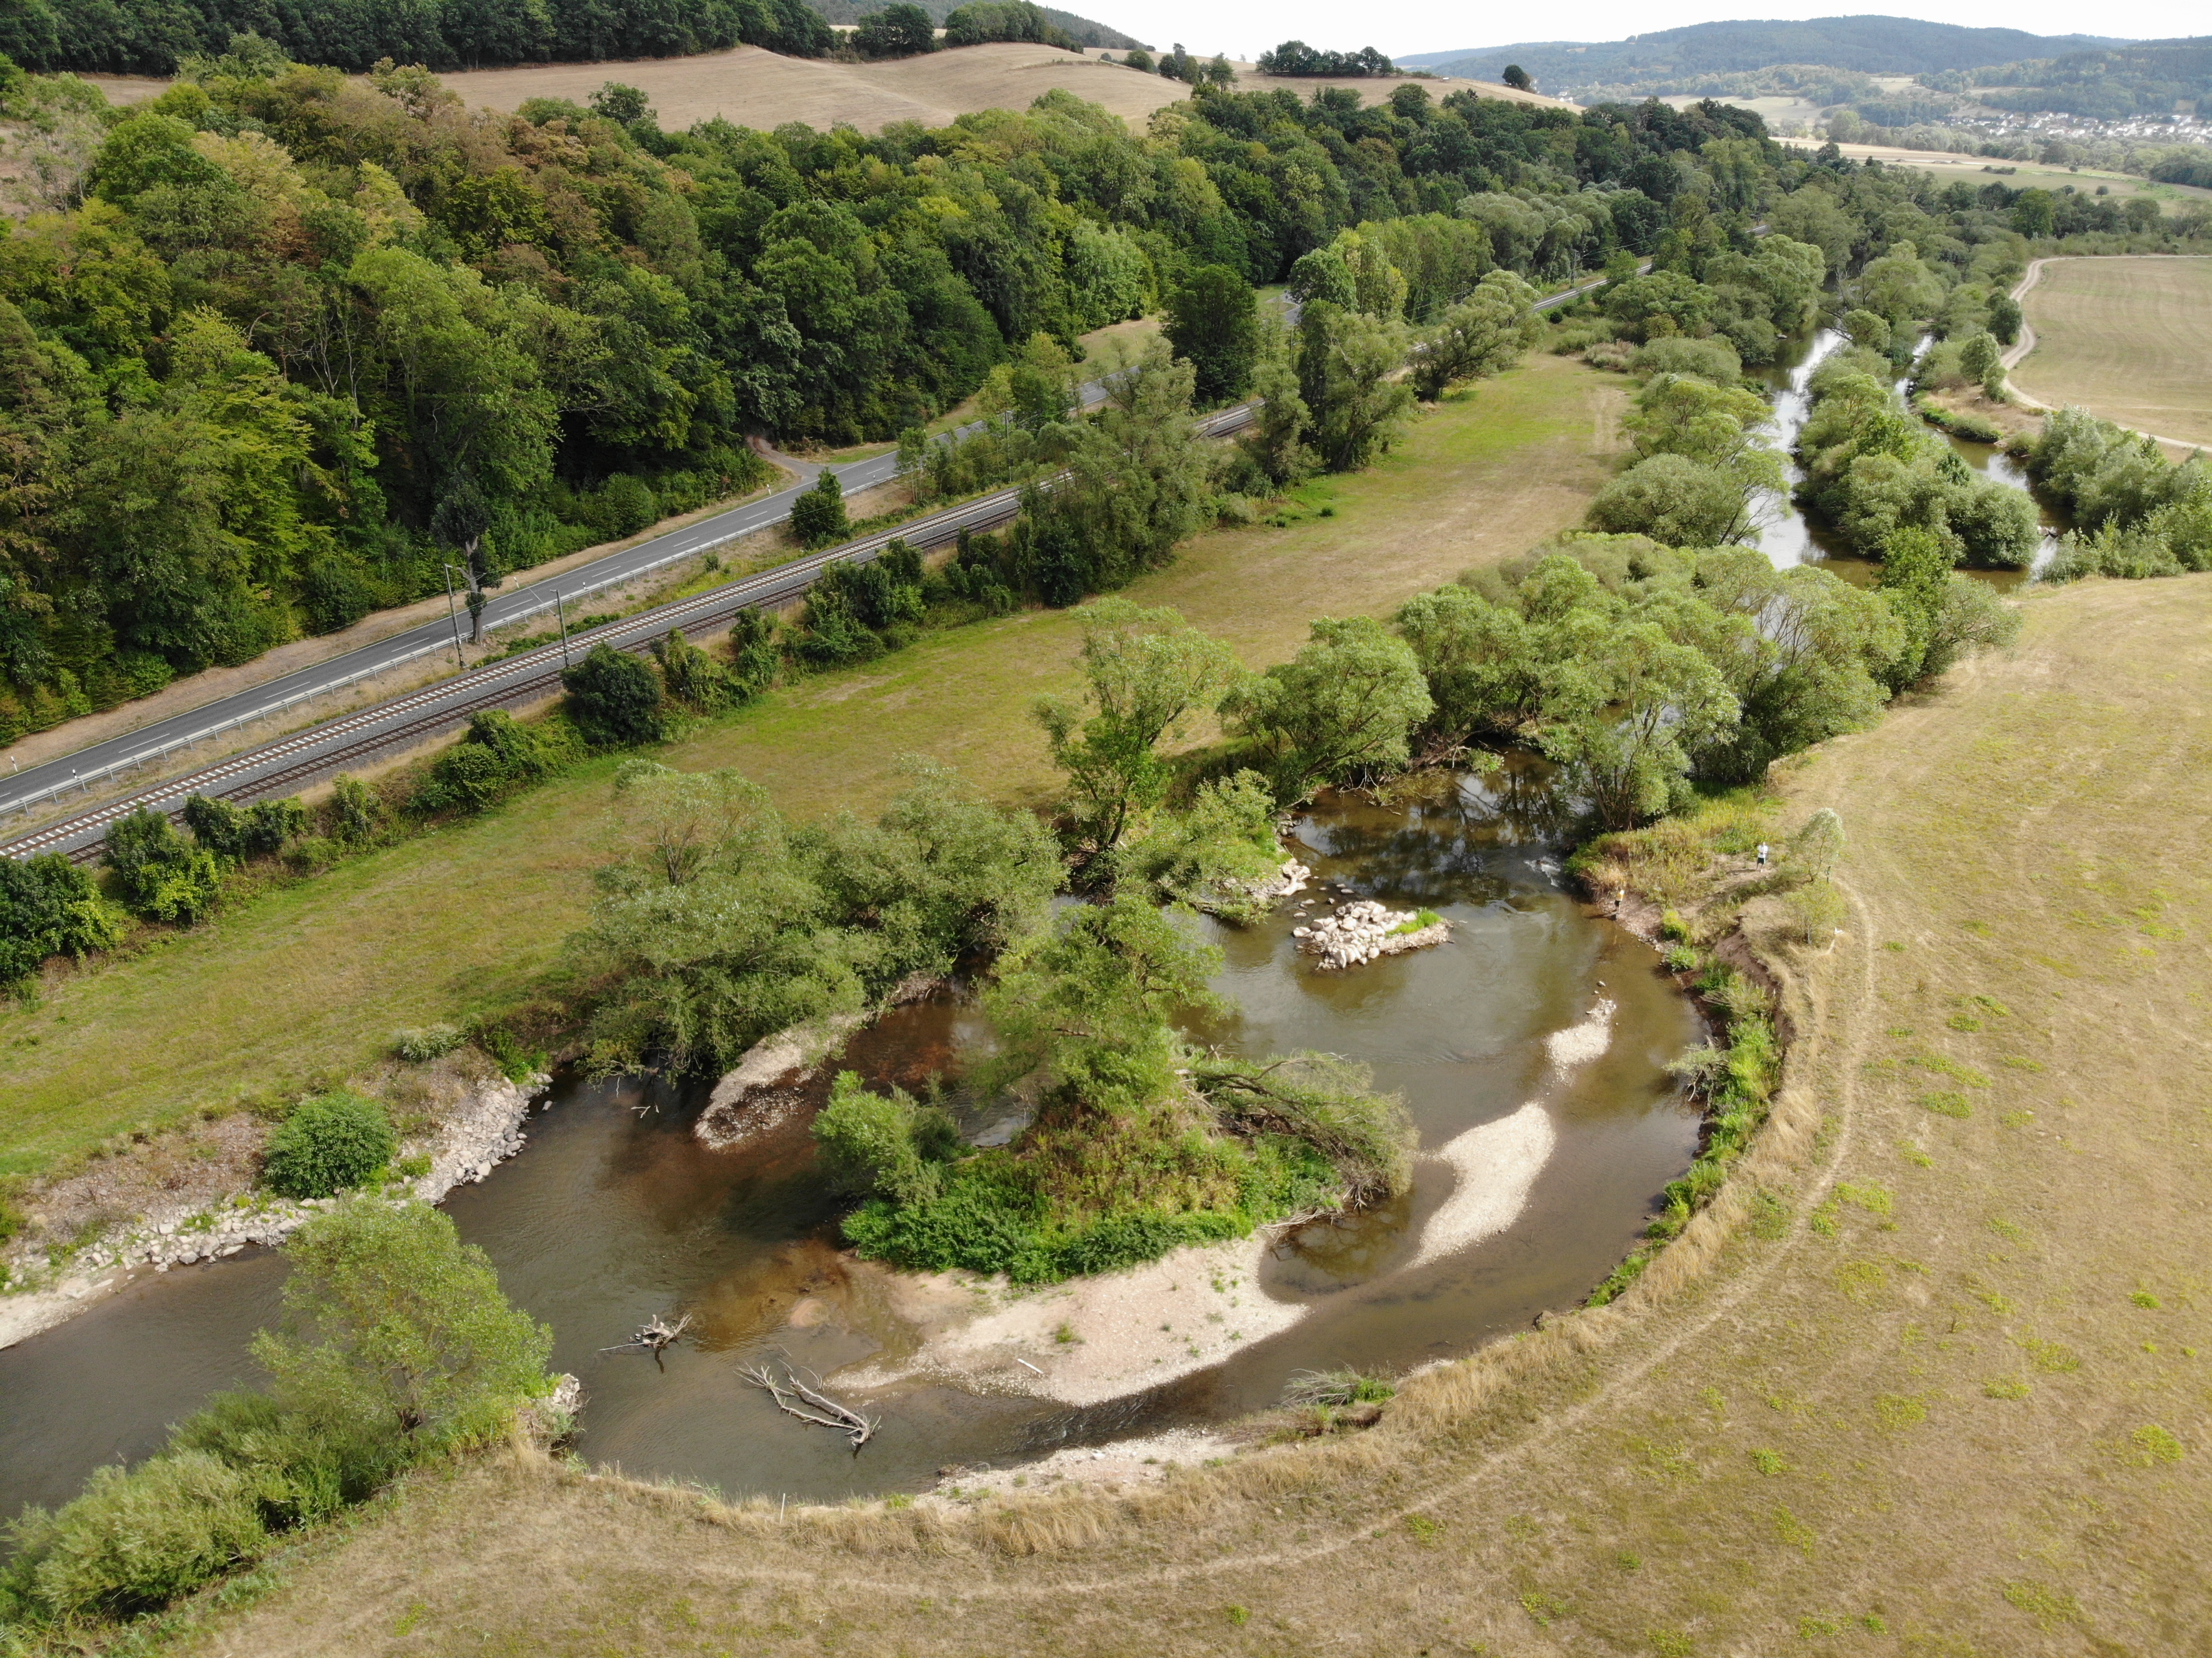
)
(1931, 1377)
(308, 983)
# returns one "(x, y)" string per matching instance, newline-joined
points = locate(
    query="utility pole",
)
(562, 617)
(454, 616)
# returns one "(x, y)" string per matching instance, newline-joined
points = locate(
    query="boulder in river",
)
(1365, 930)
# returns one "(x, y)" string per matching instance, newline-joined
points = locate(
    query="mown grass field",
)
(1933, 1377)
(311, 981)
(2130, 339)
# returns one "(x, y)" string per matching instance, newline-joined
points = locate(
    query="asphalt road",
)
(35, 786)
(291, 763)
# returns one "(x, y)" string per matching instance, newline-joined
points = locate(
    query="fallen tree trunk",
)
(827, 1413)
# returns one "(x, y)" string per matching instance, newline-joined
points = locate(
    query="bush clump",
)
(236, 833)
(616, 699)
(329, 1144)
(159, 873)
(430, 1042)
(497, 756)
(49, 906)
(135, 1541)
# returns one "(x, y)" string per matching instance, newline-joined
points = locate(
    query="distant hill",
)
(1871, 45)
(1081, 30)
(2147, 77)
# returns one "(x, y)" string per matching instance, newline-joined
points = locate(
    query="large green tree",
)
(1348, 703)
(1212, 324)
(395, 1330)
(1147, 674)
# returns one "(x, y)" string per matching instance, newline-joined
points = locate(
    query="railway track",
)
(291, 763)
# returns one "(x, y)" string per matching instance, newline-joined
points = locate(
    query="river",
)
(1788, 537)
(615, 1212)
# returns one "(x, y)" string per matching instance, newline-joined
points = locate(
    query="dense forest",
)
(280, 344)
(153, 37)
(1076, 31)
(2144, 77)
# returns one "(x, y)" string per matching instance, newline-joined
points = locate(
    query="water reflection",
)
(617, 1212)
(1789, 537)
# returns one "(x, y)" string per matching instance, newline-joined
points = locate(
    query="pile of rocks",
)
(1365, 930)
(1289, 879)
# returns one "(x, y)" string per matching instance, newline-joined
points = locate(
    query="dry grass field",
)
(2127, 339)
(755, 89)
(1933, 1377)
(311, 981)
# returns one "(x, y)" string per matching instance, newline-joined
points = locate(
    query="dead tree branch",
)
(827, 1413)
(654, 1334)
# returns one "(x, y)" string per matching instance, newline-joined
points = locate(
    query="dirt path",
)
(1928, 1382)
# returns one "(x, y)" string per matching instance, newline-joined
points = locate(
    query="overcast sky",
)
(1243, 28)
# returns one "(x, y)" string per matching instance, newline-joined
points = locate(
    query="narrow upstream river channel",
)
(617, 1211)
(1790, 538)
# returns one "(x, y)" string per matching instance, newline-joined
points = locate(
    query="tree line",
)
(1297, 57)
(282, 345)
(160, 37)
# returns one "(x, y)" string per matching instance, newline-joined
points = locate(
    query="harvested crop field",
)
(1931, 1377)
(2127, 339)
(1948, 167)
(760, 89)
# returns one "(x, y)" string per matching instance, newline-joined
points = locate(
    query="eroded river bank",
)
(1531, 1050)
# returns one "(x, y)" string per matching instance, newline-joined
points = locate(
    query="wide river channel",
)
(615, 1212)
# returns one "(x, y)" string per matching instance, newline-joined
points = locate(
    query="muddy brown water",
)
(615, 1211)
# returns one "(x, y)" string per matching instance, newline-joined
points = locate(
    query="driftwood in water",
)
(826, 1413)
(654, 1334)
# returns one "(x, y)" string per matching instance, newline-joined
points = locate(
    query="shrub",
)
(695, 678)
(885, 1145)
(297, 1476)
(350, 815)
(49, 906)
(614, 699)
(328, 1144)
(235, 833)
(159, 874)
(135, 1541)
(625, 505)
(498, 756)
(817, 517)
(755, 658)
(430, 1042)
(1714, 360)
(1816, 910)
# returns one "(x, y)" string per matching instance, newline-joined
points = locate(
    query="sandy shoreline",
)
(1092, 1339)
